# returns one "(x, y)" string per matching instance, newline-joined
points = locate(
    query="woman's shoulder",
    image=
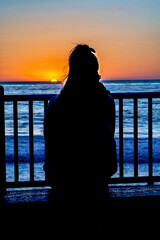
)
(53, 100)
(106, 93)
(110, 99)
(52, 104)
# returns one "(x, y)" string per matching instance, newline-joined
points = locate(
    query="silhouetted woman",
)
(79, 131)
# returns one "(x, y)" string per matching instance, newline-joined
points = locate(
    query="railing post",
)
(2, 146)
(45, 110)
(121, 137)
(15, 140)
(150, 140)
(135, 138)
(31, 140)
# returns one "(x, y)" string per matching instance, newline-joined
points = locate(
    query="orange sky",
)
(36, 37)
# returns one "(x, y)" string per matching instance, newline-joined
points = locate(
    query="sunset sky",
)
(37, 35)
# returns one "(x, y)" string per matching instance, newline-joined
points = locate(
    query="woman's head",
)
(83, 64)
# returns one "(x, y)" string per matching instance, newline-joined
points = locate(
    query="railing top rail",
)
(49, 96)
(136, 95)
(28, 97)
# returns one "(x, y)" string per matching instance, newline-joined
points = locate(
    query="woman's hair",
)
(83, 64)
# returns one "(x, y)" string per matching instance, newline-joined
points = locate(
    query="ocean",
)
(25, 88)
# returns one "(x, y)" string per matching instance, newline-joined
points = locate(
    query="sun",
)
(54, 80)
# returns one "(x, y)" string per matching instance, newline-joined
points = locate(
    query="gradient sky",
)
(37, 35)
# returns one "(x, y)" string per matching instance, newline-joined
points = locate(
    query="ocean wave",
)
(39, 149)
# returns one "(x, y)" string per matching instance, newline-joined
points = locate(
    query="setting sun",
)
(54, 80)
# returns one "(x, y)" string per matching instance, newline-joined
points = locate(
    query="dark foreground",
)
(129, 212)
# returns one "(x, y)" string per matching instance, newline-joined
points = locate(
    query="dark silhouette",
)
(79, 134)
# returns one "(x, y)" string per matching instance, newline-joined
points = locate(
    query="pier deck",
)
(39, 195)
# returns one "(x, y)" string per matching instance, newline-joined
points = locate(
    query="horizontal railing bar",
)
(48, 96)
(28, 97)
(136, 95)
(139, 179)
(26, 184)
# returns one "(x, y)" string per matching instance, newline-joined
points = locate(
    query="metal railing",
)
(136, 178)
(15, 100)
(45, 98)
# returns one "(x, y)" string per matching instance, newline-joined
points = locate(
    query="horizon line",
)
(49, 81)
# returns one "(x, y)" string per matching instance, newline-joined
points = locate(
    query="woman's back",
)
(79, 126)
(79, 133)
